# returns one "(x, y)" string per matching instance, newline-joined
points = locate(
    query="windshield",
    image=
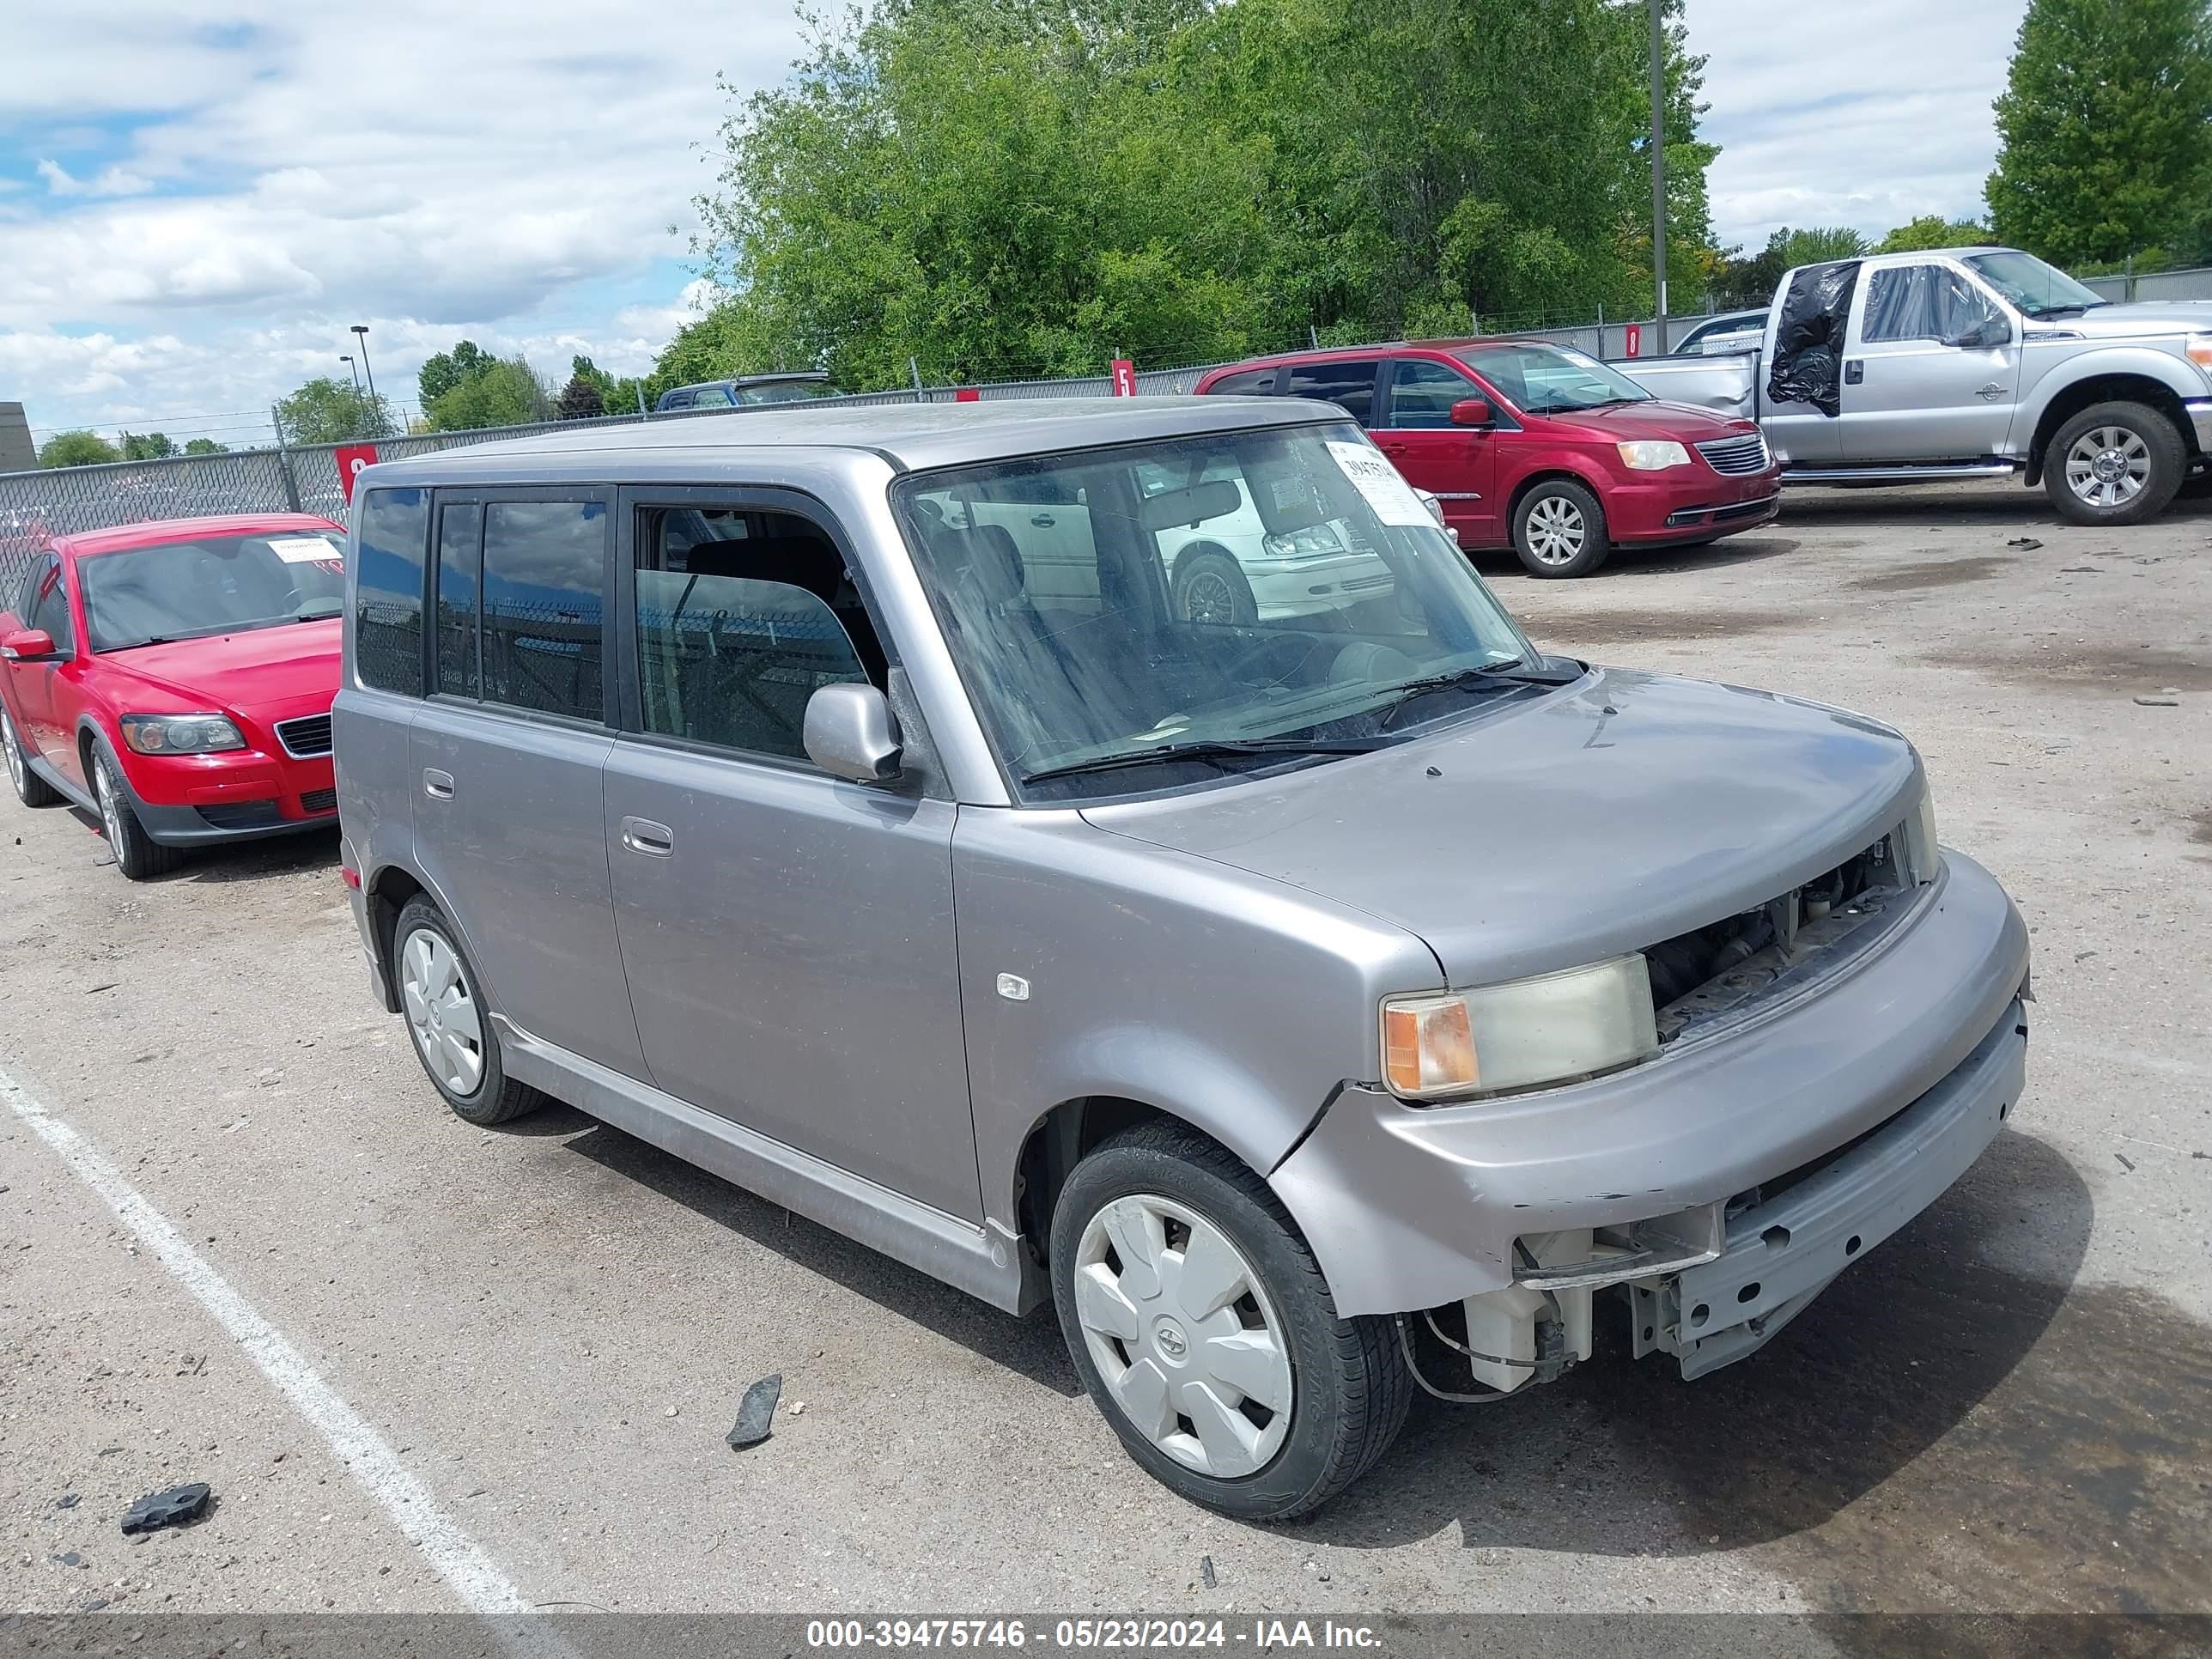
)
(1279, 586)
(1549, 379)
(2037, 289)
(217, 584)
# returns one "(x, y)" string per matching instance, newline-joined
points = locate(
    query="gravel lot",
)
(2004, 1409)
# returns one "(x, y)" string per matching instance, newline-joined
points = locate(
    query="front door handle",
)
(1853, 373)
(655, 841)
(1042, 520)
(438, 786)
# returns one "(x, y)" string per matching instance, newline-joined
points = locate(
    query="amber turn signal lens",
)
(1429, 1045)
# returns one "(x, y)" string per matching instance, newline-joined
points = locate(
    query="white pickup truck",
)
(1968, 363)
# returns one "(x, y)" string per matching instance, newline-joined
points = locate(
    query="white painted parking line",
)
(460, 1561)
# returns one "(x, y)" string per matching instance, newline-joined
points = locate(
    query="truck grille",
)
(1736, 456)
(304, 739)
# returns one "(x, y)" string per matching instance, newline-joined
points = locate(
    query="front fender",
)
(2177, 375)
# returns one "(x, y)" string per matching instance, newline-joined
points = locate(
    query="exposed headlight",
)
(1433, 502)
(1501, 1038)
(1652, 455)
(180, 734)
(1923, 856)
(1314, 539)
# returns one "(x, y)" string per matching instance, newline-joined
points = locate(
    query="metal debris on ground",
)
(67, 1500)
(2159, 703)
(756, 1412)
(2026, 544)
(1205, 1571)
(2126, 1162)
(179, 1506)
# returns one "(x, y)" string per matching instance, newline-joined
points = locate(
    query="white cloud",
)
(1866, 115)
(111, 181)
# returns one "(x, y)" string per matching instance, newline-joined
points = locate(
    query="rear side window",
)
(711, 397)
(460, 563)
(544, 576)
(1246, 383)
(1350, 386)
(395, 529)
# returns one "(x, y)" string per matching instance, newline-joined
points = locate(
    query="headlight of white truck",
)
(1500, 1039)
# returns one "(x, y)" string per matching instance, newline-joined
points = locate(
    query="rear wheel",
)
(1205, 1335)
(1210, 588)
(137, 855)
(1559, 530)
(446, 1017)
(31, 789)
(2114, 464)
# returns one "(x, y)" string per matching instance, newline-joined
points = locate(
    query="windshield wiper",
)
(1498, 673)
(151, 639)
(1208, 750)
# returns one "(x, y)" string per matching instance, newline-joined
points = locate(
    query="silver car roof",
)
(911, 437)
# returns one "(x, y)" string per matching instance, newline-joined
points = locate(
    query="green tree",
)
(147, 447)
(328, 411)
(2104, 131)
(440, 375)
(619, 394)
(1932, 230)
(206, 446)
(508, 393)
(76, 449)
(580, 398)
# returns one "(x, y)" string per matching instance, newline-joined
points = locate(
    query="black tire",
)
(2143, 444)
(495, 1097)
(1349, 1387)
(31, 789)
(137, 855)
(1573, 510)
(1213, 584)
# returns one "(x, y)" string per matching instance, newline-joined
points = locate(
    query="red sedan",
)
(176, 679)
(1537, 447)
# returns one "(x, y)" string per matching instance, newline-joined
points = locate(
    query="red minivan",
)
(176, 679)
(1536, 447)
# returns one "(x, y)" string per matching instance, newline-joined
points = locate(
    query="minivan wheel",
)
(1210, 588)
(1205, 1335)
(137, 855)
(1559, 530)
(2114, 464)
(450, 1026)
(31, 789)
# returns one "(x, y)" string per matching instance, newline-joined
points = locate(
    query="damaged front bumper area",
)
(1785, 1247)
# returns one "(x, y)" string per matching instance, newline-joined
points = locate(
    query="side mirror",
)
(1473, 411)
(27, 645)
(849, 733)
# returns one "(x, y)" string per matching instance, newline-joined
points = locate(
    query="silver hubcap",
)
(2108, 466)
(18, 773)
(1186, 1340)
(1206, 598)
(1556, 531)
(110, 810)
(440, 1012)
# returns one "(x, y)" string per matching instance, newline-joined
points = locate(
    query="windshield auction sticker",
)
(1390, 496)
(305, 550)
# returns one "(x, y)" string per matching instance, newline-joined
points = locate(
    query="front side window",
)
(1922, 302)
(394, 529)
(1349, 386)
(1540, 378)
(1329, 591)
(544, 576)
(1422, 393)
(742, 615)
(49, 608)
(214, 584)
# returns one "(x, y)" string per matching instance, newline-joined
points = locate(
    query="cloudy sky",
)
(198, 197)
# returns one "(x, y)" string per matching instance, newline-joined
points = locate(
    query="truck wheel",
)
(137, 855)
(1205, 1333)
(1210, 588)
(1559, 530)
(2114, 464)
(31, 789)
(448, 1018)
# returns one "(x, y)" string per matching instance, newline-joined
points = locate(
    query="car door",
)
(35, 688)
(1912, 390)
(1457, 464)
(788, 936)
(506, 756)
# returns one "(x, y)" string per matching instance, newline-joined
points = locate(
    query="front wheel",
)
(447, 1017)
(31, 789)
(2114, 464)
(1210, 588)
(1205, 1335)
(1559, 530)
(137, 855)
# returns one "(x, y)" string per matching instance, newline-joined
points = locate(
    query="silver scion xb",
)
(1312, 1006)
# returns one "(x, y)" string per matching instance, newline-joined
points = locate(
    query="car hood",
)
(1660, 418)
(2146, 317)
(253, 669)
(1556, 829)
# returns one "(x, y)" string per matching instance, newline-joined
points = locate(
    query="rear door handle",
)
(655, 841)
(1042, 520)
(438, 786)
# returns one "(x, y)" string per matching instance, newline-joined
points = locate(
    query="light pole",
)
(346, 357)
(1659, 169)
(361, 330)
